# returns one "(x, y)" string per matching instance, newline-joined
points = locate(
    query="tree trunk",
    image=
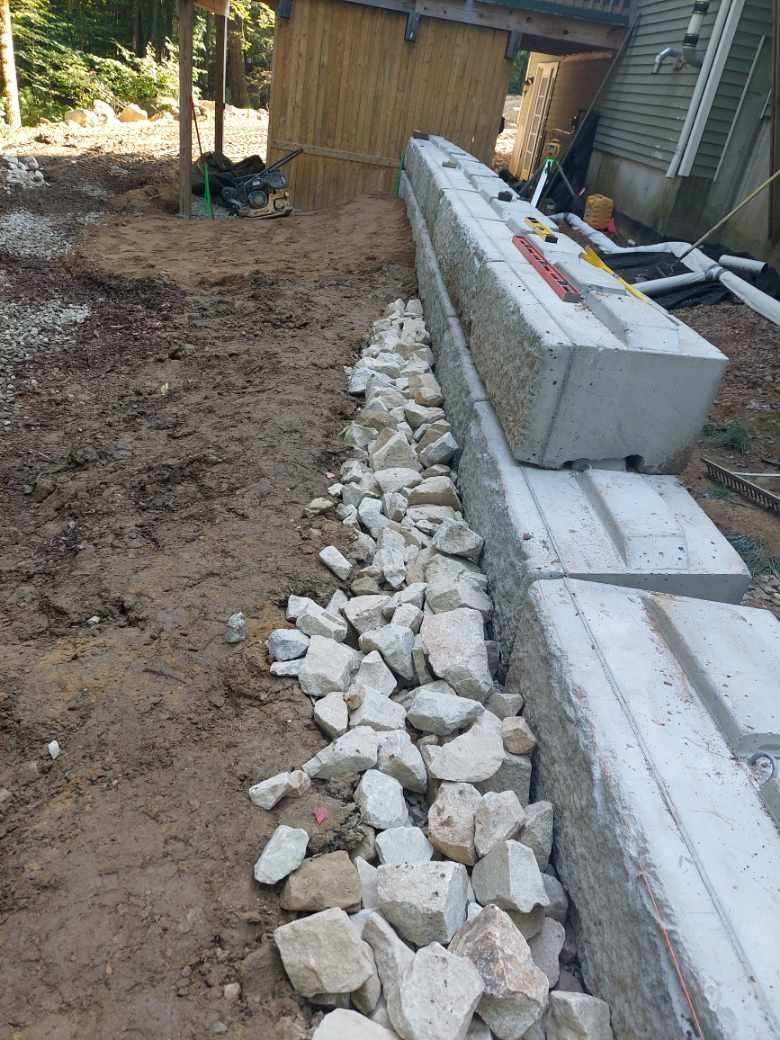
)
(239, 95)
(10, 90)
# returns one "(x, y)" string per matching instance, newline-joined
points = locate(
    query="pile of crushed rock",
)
(444, 920)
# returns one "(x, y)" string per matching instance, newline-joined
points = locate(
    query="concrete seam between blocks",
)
(669, 803)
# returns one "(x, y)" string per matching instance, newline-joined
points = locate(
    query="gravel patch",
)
(27, 235)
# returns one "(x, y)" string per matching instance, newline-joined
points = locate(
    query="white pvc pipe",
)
(759, 301)
(675, 281)
(698, 90)
(742, 263)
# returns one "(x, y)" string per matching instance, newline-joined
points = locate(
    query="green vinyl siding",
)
(642, 114)
(756, 21)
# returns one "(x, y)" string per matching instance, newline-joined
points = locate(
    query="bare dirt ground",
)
(155, 456)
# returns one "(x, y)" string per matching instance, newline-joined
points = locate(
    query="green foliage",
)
(755, 554)
(519, 68)
(733, 437)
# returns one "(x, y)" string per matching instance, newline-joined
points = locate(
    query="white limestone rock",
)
(577, 1016)
(394, 643)
(509, 876)
(270, 792)
(514, 774)
(559, 901)
(323, 954)
(373, 675)
(505, 705)
(435, 491)
(422, 673)
(472, 757)
(537, 832)
(499, 817)
(392, 450)
(515, 990)
(399, 758)
(397, 479)
(455, 583)
(426, 390)
(286, 644)
(451, 822)
(436, 708)
(425, 902)
(439, 995)
(455, 645)
(403, 845)
(381, 801)
(413, 594)
(283, 853)
(343, 1024)
(379, 712)
(368, 883)
(546, 949)
(479, 1031)
(518, 736)
(456, 538)
(336, 562)
(321, 883)
(337, 602)
(287, 669)
(394, 505)
(371, 515)
(317, 506)
(407, 615)
(331, 715)
(327, 666)
(353, 753)
(439, 451)
(418, 415)
(315, 620)
(393, 958)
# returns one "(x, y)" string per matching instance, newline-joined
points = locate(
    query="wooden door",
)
(544, 81)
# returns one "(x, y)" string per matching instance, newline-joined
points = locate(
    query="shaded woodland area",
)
(70, 53)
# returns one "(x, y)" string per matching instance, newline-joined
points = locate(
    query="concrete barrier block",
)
(462, 387)
(463, 244)
(599, 525)
(437, 304)
(649, 710)
(566, 388)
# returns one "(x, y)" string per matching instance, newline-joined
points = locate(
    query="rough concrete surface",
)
(648, 709)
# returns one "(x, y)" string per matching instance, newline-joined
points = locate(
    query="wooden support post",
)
(219, 105)
(185, 107)
(774, 148)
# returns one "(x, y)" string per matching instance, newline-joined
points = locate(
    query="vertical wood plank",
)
(774, 198)
(219, 100)
(185, 107)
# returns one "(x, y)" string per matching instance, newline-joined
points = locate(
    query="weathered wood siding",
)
(349, 89)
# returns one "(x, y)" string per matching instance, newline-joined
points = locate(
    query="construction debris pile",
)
(20, 173)
(447, 920)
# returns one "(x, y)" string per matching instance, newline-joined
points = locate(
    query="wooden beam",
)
(185, 107)
(221, 8)
(219, 101)
(774, 150)
(573, 28)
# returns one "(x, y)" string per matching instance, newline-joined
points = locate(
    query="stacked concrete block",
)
(600, 525)
(659, 736)
(607, 377)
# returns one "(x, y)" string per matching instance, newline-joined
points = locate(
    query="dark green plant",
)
(732, 437)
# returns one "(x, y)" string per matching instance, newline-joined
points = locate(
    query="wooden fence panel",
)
(350, 90)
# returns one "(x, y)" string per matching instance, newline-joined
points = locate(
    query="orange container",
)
(598, 211)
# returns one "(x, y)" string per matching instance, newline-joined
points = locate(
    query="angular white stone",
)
(337, 602)
(435, 491)
(537, 832)
(371, 515)
(393, 958)
(270, 792)
(426, 390)
(417, 415)
(513, 775)
(403, 845)
(399, 758)
(331, 715)
(391, 450)
(474, 756)
(379, 712)
(505, 705)
(413, 594)
(319, 505)
(283, 853)
(296, 606)
(315, 620)
(440, 451)
(343, 1024)
(436, 708)
(577, 1016)
(394, 643)
(479, 1031)
(287, 668)
(391, 561)
(374, 675)
(381, 800)
(499, 817)
(327, 666)
(455, 645)
(353, 753)
(336, 561)
(365, 612)
(368, 883)
(559, 901)
(397, 479)
(515, 990)
(425, 902)
(546, 949)
(323, 954)
(456, 538)
(439, 994)
(451, 822)
(408, 616)
(286, 644)
(509, 876)
(518, 736)
(394, 505)
(454, 582)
